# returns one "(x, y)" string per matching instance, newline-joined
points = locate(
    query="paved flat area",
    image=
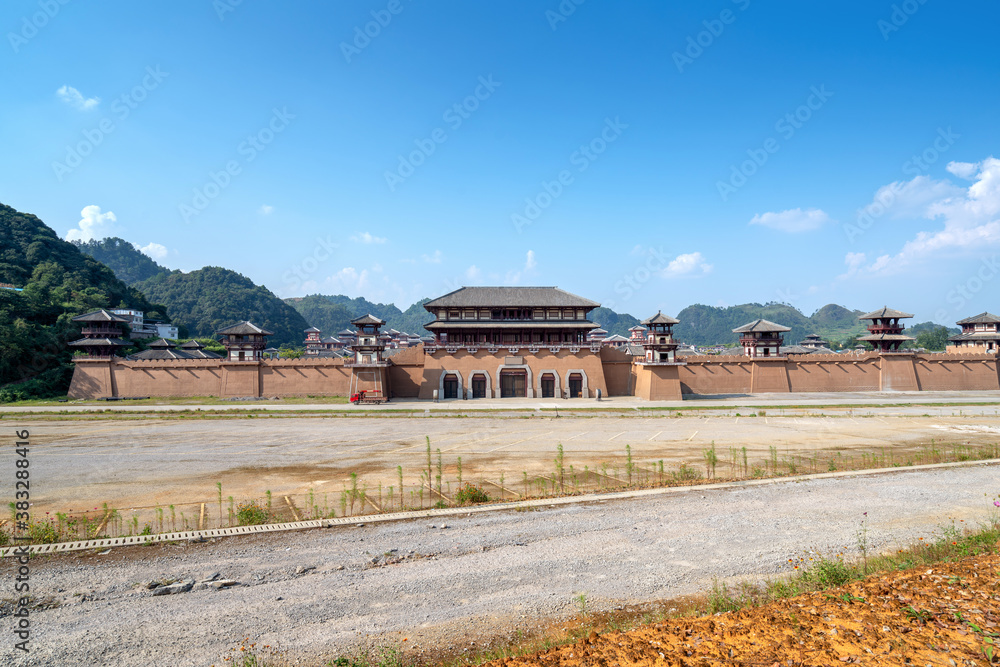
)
(145, 460)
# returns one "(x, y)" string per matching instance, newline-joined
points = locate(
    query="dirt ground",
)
(138, 464)
(948, 614)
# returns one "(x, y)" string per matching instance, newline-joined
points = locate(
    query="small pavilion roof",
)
(243, 329)
(191, 345)
(312, 330)
(101, 316)
(637, 327)
(877, 337)
(982, 318)
(162, 343)
(617, 338)
(163, 353)
(884, 312)
(598, 331)
(100, 342)
(331, 340)
(346, 332)
(761, 326)
(368, 319)
(660, 318)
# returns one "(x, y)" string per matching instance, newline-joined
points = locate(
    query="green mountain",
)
(128, 263)
(334, 313)
(59, 282)
(612, 322)
(211, 298)
(201, 301)
(710, 325)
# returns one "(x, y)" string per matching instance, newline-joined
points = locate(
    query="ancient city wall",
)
(413, 373)
(619, 372)
(833, 373)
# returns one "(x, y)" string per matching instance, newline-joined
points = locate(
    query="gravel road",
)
(319, 593)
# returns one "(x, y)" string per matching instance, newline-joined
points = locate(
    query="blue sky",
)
(646, 155)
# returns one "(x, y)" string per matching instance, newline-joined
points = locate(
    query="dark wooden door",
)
(548, 386)
(575, 385)
(478, 386)
(450, 386)
(513, 384)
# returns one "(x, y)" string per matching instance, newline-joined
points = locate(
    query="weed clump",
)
(470, 494)
(250, 513)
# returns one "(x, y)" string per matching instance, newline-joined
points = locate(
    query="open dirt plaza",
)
(150, 456)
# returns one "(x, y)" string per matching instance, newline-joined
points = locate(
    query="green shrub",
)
(250, 513)
(469, 494)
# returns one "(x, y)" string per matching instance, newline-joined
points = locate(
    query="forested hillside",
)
(201, 301)
(709, 325)
(128, 263)
(59, 282)
(211, 298)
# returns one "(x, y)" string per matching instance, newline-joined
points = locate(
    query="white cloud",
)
(365, 237)
(473, 273)
(692, 263)
(970, 217)
(966, 170)
(154, 250)
(348, 280)
(530, 264)
(910, 199)
(265, 209)
(92, 225)
(793, 220)
(433, 259)
(72, 97)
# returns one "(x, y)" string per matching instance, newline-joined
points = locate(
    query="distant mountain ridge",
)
(204, 300)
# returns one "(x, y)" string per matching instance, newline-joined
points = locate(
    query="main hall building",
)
(516, 342)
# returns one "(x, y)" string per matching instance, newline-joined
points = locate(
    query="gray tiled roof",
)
(511, 324)
(243, 329)
(877, 337)
(101, 316)
(884, 312)
(100, 342)
(368, 319)
(512, 297)
(982, 318)
(161, 343)
(163, 353)
(976, 335)
(762, 326)
(659, 318)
